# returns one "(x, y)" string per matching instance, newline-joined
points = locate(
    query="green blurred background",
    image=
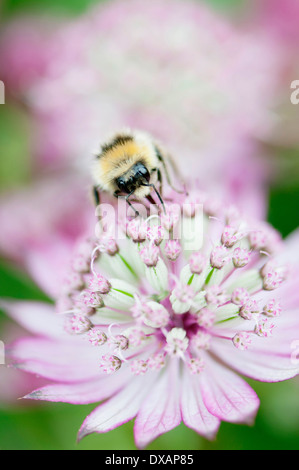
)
(54, 426)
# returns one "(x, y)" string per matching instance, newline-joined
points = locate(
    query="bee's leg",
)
(158, 194)
(131, 205)
(160, 179)
(162, 160)
(116, 194)
(96, 195)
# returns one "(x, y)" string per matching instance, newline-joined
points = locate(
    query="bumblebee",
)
(130, 164)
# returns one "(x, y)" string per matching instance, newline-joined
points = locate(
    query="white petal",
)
(194, 412)
(158, 277)
(121, 295)
(194, 280)
(160, 410)
(121, 408)
(250, 280)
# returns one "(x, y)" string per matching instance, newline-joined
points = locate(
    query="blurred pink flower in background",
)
(278, 20)
(280, 17)
(159, 330)
(174, 69)
(41, 224)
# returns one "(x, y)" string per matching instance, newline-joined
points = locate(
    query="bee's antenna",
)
(158, 194)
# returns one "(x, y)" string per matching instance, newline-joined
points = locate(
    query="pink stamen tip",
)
(240, 257)
(272, 280)
(240, 296)
(219, 257)
(156, 361)
(264, 328)
(272, 308)
(137, 230)
(87, 310)
(195, 365)
(119, 341)
(229, 236)
(197, 262)
(150, 255)
(249, 309)
(172, 216)
(99, 283)
(155, 234)
(91, 299)
(242, 340)
(172, 249)
(77, 324)
(177, 342)
(97, 337)
(139, 367)
(109, 246)
(110, 363)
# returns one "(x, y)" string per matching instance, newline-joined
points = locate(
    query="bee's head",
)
(135, 177)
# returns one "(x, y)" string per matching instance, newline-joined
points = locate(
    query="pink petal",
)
(266, 359)
(160, 410)
(227, 396)
(15, 384)
(46, 265)
(37, 317)
(118, 410)
(194, 412)
(82, 393)
(54, 360)
(271, 361)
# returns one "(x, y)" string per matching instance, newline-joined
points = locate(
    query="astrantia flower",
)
(167, 335)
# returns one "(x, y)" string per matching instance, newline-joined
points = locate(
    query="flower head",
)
(162, 329)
